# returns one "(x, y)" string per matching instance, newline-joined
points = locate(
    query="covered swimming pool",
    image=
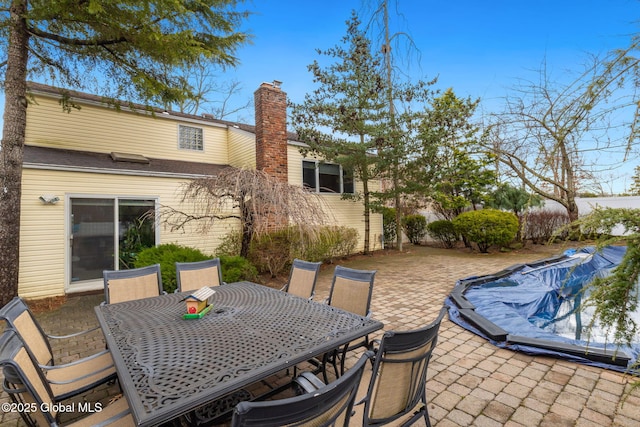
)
(537, 308)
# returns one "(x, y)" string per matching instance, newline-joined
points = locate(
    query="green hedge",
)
(487, 227)
(415, 227)
(234, 268)
(443, 231)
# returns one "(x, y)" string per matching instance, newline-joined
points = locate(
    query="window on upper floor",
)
(190, 138)
(326, 177)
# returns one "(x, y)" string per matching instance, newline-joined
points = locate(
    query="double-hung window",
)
(190, 138)
(326, 177)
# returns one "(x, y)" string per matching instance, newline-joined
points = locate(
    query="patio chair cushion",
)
(26, 327)
(302, 279)
(26, 384)
(66, 379)
(116, 414)
(132, 284)
(195, 275)
(330, 405)
(75, 377)
(132, 288)
(196, 279)
(398, 379)
(351, 295)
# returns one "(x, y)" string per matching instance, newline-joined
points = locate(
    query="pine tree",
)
(129, 50)
(340, 120)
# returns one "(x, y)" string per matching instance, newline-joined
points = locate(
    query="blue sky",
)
(479, 48)
(476, 47)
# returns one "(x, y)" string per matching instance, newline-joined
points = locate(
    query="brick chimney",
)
(271, 130)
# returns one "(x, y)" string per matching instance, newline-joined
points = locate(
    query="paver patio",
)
(470, 382)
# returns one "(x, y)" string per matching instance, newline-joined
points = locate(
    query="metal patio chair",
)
(132, 284)
(67, 379)
(351, 291)
(398, 379)
(195, 275)
(395, 387)
(329, 405)
(27, 386)
(302, 278)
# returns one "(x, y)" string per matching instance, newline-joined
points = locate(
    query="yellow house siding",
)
(43, 241)
(341, 212)
(242, 149)
(103, 130)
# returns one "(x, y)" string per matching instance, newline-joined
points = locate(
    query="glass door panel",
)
(136, 220)
(92, 238)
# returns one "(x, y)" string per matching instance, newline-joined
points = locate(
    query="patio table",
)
(168, 366)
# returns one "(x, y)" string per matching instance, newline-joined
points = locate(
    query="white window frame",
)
(192, 140)
(317, 178)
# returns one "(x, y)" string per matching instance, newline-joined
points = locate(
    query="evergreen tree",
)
(459, 174)
(341, 119)
(129, 50)
(635, 186)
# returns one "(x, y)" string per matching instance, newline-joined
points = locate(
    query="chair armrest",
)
(76, 334)
(73, 367)
(308, 382)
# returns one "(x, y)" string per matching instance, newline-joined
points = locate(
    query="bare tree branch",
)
(260, 202)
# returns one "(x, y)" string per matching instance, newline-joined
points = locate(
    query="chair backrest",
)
(24, 382)
(399, 373)
(330, 405)
(136, 283)
(303, 277)
(351, 290)
(19, 318)
(195, 275)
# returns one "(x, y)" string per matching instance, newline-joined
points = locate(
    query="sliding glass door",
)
(106, 234)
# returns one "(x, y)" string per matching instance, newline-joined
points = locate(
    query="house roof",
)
(56, 158)
(96, 99)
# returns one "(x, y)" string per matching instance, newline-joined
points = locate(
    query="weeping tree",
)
(615, 297)
(258, 201)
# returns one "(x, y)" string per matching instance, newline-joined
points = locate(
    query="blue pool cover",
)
(536, 308)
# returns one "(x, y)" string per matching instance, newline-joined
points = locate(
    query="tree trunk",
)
(367, 216)
(247, 228)
(12, 150)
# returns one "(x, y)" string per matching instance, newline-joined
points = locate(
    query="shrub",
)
(389, 225)
(270, 252)
(444, 232)
(167, 255)
(540, 226)
(327, 244)
(415, 227)
(234, 268)
(487, 227)
(230, 244)
(274, 252)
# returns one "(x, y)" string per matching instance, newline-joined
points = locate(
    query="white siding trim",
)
(111, 171)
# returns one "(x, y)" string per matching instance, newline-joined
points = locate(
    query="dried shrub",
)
(540, 226)
(273, 252)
